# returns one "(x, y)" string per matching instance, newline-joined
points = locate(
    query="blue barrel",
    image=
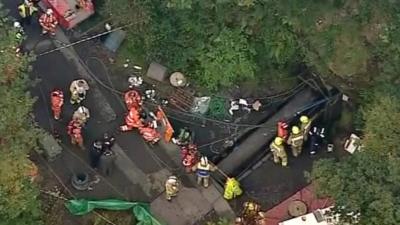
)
(114, 40)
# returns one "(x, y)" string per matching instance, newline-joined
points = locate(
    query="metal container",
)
(114, 40)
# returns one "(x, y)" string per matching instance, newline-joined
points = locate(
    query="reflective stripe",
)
(202, 173)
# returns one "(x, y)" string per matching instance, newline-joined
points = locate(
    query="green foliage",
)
(225, 61)
(221, 221)
(18, 203)
(347, 42)
(367, 182)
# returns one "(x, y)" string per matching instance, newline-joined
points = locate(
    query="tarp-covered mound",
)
(141, 211)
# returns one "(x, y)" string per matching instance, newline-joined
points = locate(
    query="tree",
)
(18, 196)
(226, 60)
(368, 182)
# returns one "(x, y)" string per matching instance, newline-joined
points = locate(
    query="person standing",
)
(57, 101)
(107, 160)
(296, 140)
(278, 151)
(95, 153)
(203, 170)
(74, 130)
(78, 89)
(82, 115)
(305, 126)
(26, 10)
(48, 22)
(317, 136)
(171, 187)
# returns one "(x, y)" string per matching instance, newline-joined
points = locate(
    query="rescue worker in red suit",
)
(132, 99)
(48, 22)
(74, 130)
(57, 101)
(132, 120)
(190, 156)
(283, 129)
(149, 133)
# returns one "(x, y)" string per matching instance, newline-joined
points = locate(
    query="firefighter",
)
(171, 187)
(57, 101)
(132, 99)
(49, 22)
(108, 141)
(132, 120)
(278, 151)
(184, 137)
(107, 162)
(74, 130)
(190, 156)
(78, 89)
(95, 153)
(282, 129)
(251, 214)
(20, 31)
(232, 189)
(26, 10)
(296, 140)
(19, 35)
(316, 137)
(305, 126)
(203, 169)
(82, 115)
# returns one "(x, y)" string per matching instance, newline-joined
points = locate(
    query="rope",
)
(112, 89)
(84, 40)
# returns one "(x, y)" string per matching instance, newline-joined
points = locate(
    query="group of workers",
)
(48, 21)
(140, 118)
(296, 139)
(101, 149)
(192, 162)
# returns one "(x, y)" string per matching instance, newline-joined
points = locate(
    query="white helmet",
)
(49, 11)
(204, 160)
(17, 24)
(83, 109)
(172, 179)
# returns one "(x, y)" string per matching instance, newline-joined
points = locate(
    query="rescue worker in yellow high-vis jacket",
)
(296, 140)
(232, 189)
(26, 11)
(171, 187)
(305, 126)
(278, 151)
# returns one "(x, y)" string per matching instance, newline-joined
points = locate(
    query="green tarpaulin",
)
(140, 210)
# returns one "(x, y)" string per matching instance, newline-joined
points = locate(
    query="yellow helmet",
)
(304, 119)
(278, 141)
(295, 130)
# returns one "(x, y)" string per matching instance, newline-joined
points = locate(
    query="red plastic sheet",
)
(307, 195)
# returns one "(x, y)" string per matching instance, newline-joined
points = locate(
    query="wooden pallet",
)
(182, 99)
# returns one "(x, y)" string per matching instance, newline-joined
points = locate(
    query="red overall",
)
(57, 101)
(48, 23)
(189, 155)
(132, 120)
(75, 132)
(132, 99)
(149, 134)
